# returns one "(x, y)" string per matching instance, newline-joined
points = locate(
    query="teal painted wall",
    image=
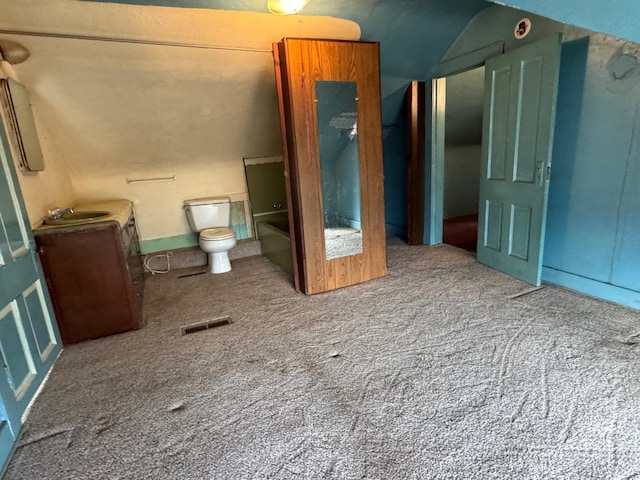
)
(238, 222)
(593, 224)
(614, 17)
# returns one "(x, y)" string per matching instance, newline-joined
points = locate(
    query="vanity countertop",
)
(119, 211)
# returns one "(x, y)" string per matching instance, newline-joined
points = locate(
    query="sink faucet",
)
(57, 213)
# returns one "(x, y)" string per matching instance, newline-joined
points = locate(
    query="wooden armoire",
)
(313, 77)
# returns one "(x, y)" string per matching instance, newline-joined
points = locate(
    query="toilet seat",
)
(217, 233)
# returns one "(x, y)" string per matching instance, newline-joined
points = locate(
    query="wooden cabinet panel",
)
(299, 64)
(92, 273)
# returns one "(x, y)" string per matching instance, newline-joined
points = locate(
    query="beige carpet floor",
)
(435, 371)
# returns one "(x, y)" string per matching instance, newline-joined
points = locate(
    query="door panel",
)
(17, 358)
(40, 322)
(493, 232)
(520, 96)
(6, 439)
(29, 338)
(520, 223)
(529, 92)
(499, 117)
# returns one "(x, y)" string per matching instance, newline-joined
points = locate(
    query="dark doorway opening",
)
(462, 154)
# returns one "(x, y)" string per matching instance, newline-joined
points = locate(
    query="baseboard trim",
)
(169, 243)
(396, 230)
(593, 288)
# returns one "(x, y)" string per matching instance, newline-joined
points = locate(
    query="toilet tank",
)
(207, 212)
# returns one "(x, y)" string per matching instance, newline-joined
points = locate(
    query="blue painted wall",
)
(592, 242)
(614, 17)
(339, 160)
(593, 227)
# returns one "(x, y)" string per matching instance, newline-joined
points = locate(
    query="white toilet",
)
(210, 217)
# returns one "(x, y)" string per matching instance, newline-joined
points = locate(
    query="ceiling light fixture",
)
(13, 52)
(286, 7)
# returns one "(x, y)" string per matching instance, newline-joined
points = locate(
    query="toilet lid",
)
(217, 233)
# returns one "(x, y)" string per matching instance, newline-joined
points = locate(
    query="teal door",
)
(519, 112)
(29, 338)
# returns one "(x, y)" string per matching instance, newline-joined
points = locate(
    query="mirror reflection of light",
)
(286, 7)
(353, 133)
(346, 121)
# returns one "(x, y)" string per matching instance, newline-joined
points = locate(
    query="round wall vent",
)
(522, 28)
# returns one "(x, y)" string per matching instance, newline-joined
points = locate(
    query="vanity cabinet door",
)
(89, 280)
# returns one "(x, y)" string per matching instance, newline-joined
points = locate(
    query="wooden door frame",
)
(435, 169)
(415, 109)
(290, 170)
(434, 215)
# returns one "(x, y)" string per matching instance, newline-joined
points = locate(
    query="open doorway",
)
(462, 158)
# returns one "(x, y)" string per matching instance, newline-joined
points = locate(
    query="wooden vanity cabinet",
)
(95, 277)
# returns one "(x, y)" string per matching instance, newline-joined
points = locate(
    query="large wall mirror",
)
(337, 111)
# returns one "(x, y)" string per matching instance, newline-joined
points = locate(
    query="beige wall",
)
(46, 189)
(114, 111)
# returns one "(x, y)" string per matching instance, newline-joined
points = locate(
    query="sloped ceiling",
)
(413, 34)
(404, 27)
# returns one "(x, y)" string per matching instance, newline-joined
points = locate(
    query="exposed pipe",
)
(129, 40)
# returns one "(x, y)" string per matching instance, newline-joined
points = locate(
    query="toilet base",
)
(219, 262)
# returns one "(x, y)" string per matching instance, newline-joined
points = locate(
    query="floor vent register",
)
(198, 327)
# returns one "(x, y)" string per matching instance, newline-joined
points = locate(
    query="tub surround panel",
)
(275, 243)
(169, 243)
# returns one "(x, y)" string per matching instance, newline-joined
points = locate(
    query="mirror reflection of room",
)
(340, 167)
(463, 152)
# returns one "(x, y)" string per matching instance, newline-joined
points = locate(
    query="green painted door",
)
(29, 338)
(519, 112)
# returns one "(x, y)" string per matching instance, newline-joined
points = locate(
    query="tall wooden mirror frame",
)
(298, 64)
